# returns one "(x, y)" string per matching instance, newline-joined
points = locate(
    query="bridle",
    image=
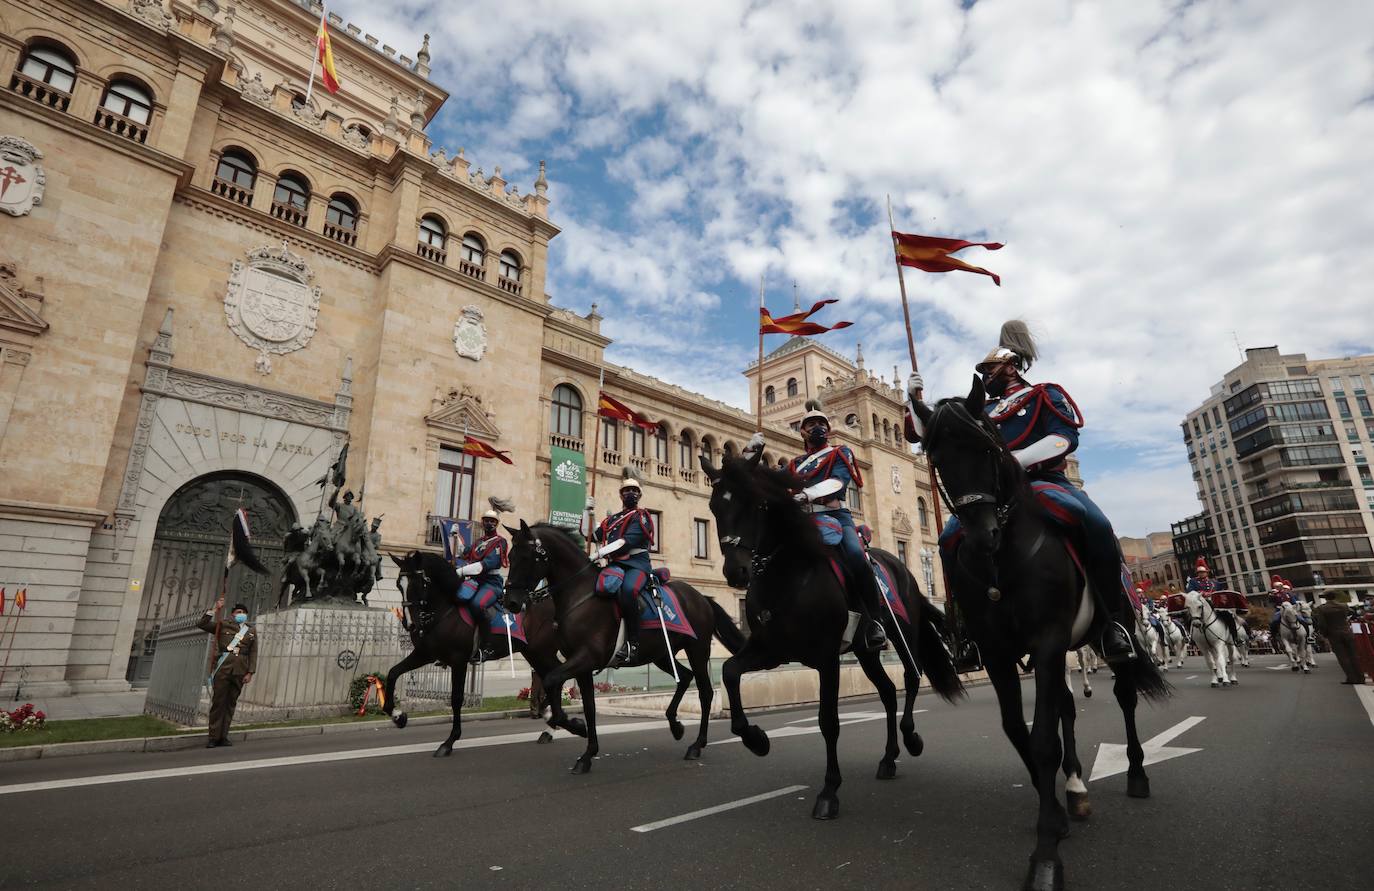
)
(1208, 621)
(995, 453)
(544, 589)
(758, 563)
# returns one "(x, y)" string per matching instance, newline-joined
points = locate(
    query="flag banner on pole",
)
(324, 50)
(931, 253)
(240, 544)
(797, 322)
(457, 536)
(479, 449)
(2, 601)
(21, 599)
(610, 407)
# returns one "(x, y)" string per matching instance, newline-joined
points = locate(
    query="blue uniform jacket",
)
(636, 526)
(1032, 413)
(831, 462)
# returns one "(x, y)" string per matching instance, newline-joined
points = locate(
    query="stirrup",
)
(1130, 644)
(628, 652)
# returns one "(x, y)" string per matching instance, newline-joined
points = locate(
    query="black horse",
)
(548, 564)
(1021, 592)
(797, 612)
(429, 595)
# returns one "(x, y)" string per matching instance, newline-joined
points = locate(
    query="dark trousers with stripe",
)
(224, 696)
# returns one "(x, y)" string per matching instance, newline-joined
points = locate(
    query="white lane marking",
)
(844, 716)
(720, 808)
(318, 758)
(1366, 695)
(1191, 677)
(1276, 667)
(1111, 757)
(786, 731)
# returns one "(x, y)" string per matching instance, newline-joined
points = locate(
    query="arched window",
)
(510, 264)
(887, 430)
(829, 382)
(851, 421)
(341, 219)
(567, 412)
(685, 449)
(876, 428)
(769, 394)
(291, 198)
(433, 239)
(708, 446)
(661, 445)
(791, 386)
(47, 75)
(235, 176)
(473, 256)
(921, 516)
(124, 97)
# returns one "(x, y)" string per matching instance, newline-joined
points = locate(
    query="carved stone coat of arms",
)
(470, 334)
(21, 176)
(272, 303)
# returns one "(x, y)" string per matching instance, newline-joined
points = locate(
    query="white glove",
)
(1042, 450)
(607, 549)
(591, 503)
(914, 385)
(755, 444)
(822, 490)
(800, 497)
(470, 570)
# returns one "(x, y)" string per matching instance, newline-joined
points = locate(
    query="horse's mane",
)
(774, 488)
(443, 572)
(954, 410)
(563, 537)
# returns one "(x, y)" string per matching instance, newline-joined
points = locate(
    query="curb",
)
(196, 738)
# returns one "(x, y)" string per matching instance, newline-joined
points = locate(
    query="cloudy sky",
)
(1170, 179)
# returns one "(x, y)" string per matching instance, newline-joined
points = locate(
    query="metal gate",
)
(187, 562)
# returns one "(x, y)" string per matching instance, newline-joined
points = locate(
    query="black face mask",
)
(489, 527)
(818, 435)
(630, 498)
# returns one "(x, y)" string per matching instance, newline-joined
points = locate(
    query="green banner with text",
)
(567, 488)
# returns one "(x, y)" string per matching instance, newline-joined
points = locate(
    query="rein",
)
(544, 590)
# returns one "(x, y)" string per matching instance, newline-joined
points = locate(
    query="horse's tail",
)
(1149, 681)
(726, 631)
(932, 656)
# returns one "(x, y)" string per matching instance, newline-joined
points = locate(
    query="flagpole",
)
(596, 452)
(13, 630)
(758, 384)
(315, 60)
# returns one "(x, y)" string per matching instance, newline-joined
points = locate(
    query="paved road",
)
(1281, 756)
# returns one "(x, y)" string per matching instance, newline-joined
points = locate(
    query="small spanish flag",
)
(324, 54)
(932, 254)
(479, 449)
(797, 322)
(21, 599)
(610, 407)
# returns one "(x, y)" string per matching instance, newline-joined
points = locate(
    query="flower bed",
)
(22, 719)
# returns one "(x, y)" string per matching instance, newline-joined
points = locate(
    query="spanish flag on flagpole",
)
(324, 58)
(479, 449)
(931, 253)
(609, 407)
(797, 323)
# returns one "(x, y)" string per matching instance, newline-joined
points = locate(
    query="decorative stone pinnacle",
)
(423, 55)
(541, 185)
(859, 358)
(166, 329)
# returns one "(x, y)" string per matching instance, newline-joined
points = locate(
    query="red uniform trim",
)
(612, 528)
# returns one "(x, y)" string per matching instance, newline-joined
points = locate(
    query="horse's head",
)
(1289, 612)
(1195, 604)
(979, 475)
(744, 494)
(529, 565)
(425, 580)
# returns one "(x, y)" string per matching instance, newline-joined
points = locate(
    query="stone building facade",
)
(208, 285)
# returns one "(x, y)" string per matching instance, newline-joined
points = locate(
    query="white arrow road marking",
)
(1366, 695)
(1111, 757)
(708, 811)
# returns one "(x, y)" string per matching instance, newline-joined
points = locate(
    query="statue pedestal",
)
(309, 656)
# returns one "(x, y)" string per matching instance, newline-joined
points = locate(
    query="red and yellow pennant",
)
(931, 253)
(21, 599)
(797, 322)
(479, 449)
(610, 407)
(324, 54)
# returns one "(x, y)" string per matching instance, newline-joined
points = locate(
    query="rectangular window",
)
(637, 442)
(1336, 385)
(701, 538)
(854, 499)
(455, 487)
(1363, 403)
(1216, 415)
(610, 434)
(1351, 432)
(657, 547)
(901, 551)
(1343, 406)
(661, 446)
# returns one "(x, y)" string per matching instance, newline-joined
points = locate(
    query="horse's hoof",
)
(1087, 693)
(582, 765)
(544, 738)
(400, 720)
(1215, 684)
(1138, 786)
(577, 727)
(1295, 668)
(1307, 671)
(675, 727)
(887, 770)
(755, 740)
(1080, 808)
(914, 744)
(827, 807)
(693, 753)
(1235, 681)
(1044, 875)
(443, 751)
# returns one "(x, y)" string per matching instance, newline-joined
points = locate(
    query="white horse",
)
(1087, 662)
(1145, 635)
(1238, 646)
(1305, 609)
(1210, 637)
(1293, 634)
(1173, 643)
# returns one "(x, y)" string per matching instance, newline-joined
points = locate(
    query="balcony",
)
(430, 252)
(472, 270)
(341, 234)
(232, 191)
(434, 529)
(610, 457)
(289, 213)
(559, 440)
(510, 285)
(119, 125)
(663, 471)
(687, 475)
(43, 94)
(643, 465)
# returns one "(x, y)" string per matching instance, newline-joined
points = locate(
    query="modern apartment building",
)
(1279, 452)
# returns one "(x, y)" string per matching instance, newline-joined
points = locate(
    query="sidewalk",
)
(86, 705)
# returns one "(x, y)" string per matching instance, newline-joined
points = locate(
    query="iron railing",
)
(180, 667)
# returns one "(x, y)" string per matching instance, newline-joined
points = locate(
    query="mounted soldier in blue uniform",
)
(626, 538)
(483, 583)
(827, 471)
(1039, 424)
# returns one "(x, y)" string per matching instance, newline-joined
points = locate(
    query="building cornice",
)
(89, 132)
(61, 513)
(394, 253)
(205, 200)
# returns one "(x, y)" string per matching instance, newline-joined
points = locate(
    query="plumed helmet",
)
(815, 410)
(629, 479)
(491, 515)
(1201, 566)
(499, 505)
(1015, 345)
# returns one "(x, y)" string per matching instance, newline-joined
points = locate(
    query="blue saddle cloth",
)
(673, 619)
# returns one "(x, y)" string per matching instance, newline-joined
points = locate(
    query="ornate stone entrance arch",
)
(189, 547)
